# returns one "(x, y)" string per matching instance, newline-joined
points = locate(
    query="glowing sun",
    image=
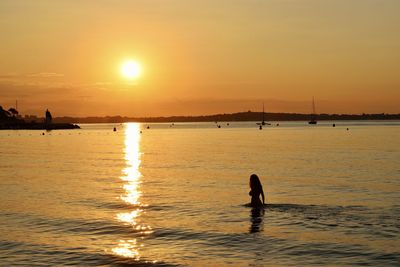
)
(131, 69)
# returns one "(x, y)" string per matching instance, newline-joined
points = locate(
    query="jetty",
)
(11, 120)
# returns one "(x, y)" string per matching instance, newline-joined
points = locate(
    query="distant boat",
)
(313, 115)
(263, 119)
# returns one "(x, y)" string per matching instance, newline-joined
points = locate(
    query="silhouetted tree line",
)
(8, 115)
(240, 116)
(9, 118)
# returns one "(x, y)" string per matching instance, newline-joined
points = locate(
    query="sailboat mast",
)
(313, 106)
(313, 115)
(263, 114)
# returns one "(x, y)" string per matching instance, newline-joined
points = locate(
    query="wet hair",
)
(255, 183)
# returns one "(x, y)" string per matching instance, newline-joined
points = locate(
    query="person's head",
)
(255, 182)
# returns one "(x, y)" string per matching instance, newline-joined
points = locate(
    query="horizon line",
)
(222, 114)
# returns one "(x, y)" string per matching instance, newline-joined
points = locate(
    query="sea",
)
(176, 194)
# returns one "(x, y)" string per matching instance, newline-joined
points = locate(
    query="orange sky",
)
(200, 57)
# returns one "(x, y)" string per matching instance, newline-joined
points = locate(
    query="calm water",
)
(176, 195)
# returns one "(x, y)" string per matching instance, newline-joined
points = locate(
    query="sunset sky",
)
(200, 57)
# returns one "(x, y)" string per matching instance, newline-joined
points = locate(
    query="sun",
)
(131, 69)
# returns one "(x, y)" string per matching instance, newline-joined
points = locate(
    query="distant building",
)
(14, 113)
(31, 118)
(48, 119)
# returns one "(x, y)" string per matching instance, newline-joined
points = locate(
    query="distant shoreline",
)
(239, 116)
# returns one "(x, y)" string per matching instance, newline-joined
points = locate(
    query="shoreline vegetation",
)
(239, 116)
(11, 120)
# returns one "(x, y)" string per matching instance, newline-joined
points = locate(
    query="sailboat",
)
(313, 115)
(262, 123)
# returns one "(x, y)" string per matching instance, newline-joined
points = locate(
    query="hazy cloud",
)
(8, 75)
(45, 75)
(101, 99)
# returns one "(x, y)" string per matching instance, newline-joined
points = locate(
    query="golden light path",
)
(131, 176)
(131, 173)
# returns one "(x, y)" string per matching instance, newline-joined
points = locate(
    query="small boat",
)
(263, 120)
(313, 119)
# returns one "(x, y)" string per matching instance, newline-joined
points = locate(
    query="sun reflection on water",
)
(132, 177)
(128, 217)
(131, 174)
(127, 249)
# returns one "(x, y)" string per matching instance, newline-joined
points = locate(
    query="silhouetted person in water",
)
(256, 191)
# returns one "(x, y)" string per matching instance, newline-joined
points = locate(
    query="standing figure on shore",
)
(256, 191)
(48, 118)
